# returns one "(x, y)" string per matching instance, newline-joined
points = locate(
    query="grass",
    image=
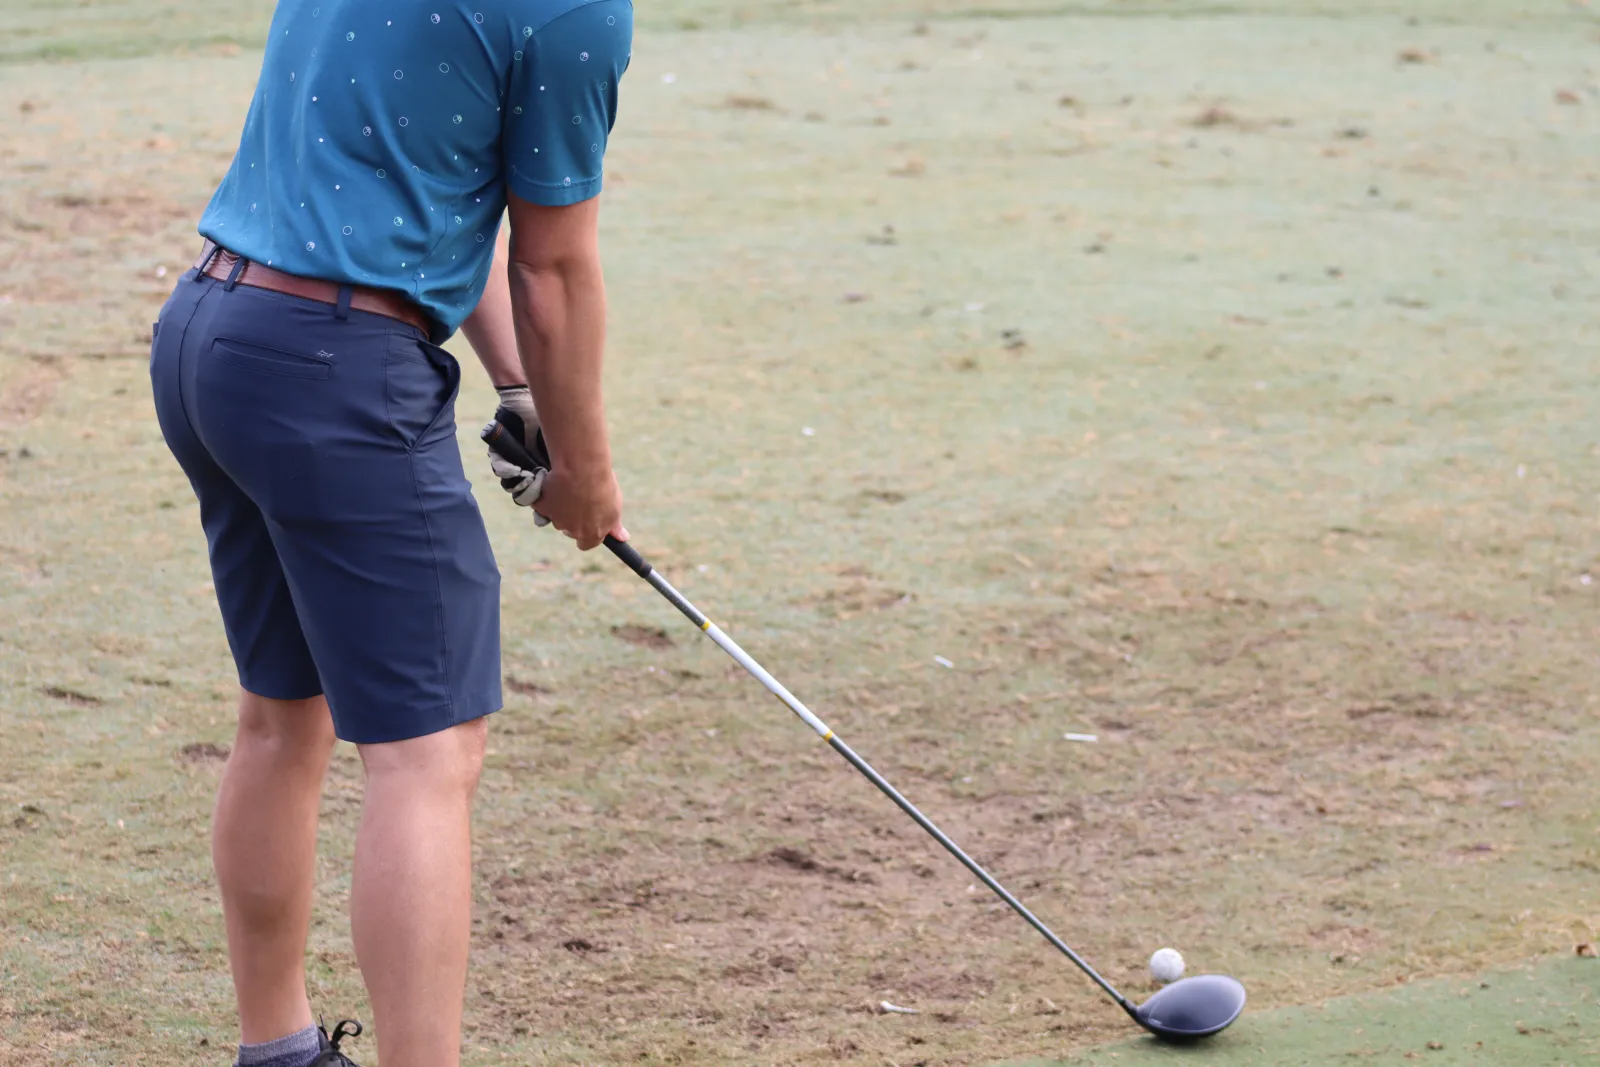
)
(45, 30)
(1225, 393)
(1529, 1015)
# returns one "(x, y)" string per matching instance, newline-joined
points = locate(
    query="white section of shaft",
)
(739, 655)
(775, 687)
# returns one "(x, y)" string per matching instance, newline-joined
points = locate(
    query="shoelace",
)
(332, 1056)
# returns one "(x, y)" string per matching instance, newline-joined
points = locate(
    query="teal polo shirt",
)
(383, 137)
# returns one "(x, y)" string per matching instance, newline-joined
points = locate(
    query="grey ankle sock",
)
(296, 1050)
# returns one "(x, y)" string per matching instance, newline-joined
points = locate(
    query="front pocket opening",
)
(419, 395)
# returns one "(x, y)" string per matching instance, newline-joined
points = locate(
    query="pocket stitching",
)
(300, 367)
(392, 351)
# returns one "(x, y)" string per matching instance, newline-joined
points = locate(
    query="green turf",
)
(1543, 1015)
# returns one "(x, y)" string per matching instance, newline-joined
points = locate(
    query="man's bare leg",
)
(264, 848)
(411, 901)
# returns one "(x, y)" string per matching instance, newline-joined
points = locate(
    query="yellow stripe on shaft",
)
(706, 625)
(828, 736)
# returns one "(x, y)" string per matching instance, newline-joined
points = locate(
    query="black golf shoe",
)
(331, 1055)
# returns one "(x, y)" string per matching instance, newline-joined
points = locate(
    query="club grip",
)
(498, 438)
(626, 553)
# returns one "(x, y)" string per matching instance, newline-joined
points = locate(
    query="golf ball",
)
(1166, 965)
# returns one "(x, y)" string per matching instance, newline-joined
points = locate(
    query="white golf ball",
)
(1166, 965)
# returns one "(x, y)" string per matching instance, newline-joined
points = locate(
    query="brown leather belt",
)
(219, 262)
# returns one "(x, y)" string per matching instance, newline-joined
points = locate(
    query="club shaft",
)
(629, 556)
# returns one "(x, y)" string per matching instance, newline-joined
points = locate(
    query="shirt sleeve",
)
(562, 102)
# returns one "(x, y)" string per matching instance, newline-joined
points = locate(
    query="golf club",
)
(1187, 1009)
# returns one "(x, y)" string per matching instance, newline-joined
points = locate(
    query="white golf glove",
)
(520, 419)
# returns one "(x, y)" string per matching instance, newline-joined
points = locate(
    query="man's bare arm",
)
(558, 308)
(489, 328)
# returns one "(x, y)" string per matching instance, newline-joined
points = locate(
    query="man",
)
(298, 382)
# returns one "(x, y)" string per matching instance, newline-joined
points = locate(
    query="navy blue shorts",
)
(347, 550)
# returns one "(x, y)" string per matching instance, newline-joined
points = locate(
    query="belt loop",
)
(342, 311)
(233, 275)
(205, 261)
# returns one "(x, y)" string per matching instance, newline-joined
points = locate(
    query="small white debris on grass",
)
(895, 1009)
(668, 79)
(161, 272)
(1088, 738)
(941, 661)
(808, 431)
(1585, 579)
(1522, 472)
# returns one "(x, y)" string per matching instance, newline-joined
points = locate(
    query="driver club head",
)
(1192, 1008)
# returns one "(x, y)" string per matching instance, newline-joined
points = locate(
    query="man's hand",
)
(586, 505)
(587, 508)
(520, 418)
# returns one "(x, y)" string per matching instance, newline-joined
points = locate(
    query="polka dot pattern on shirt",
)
(378, 113)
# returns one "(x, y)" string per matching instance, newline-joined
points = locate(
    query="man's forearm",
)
(559, 313)
(490, 329)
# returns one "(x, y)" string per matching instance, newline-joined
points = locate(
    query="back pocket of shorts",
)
(270, 360)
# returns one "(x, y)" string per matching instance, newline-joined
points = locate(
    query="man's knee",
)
(287, 727)
(450, 760)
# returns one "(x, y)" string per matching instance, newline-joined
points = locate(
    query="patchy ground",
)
(1217, 385)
